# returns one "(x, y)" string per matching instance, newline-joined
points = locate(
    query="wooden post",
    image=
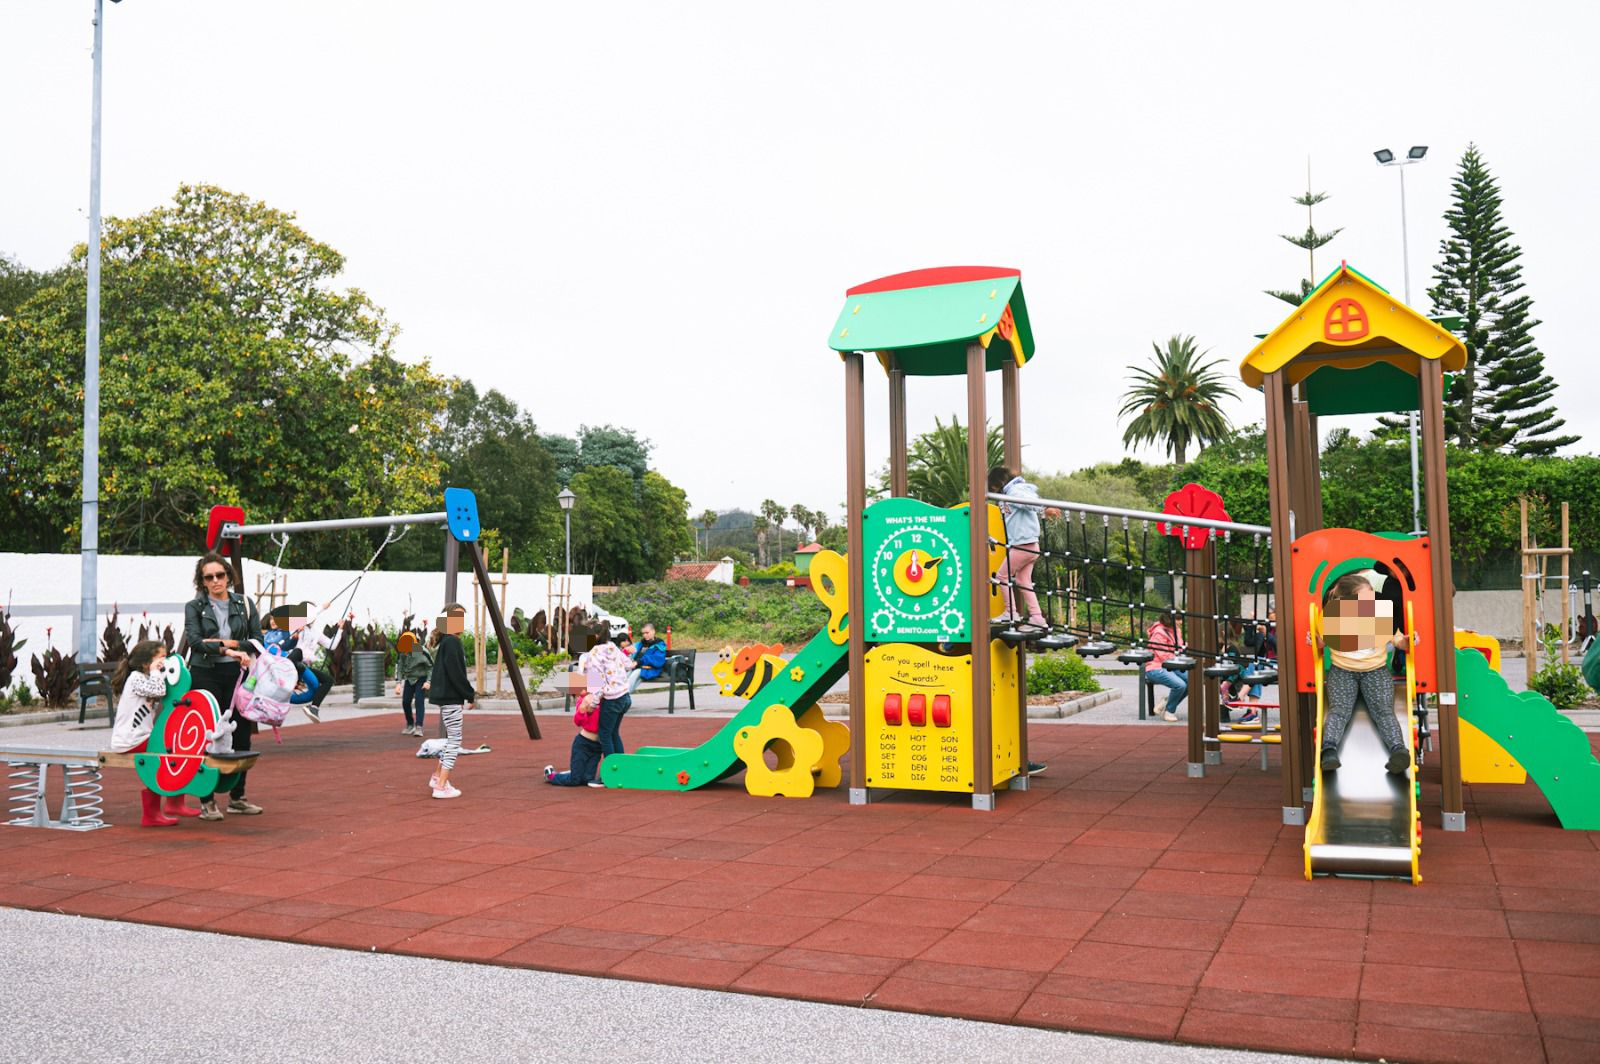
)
(452, 565)
(1306, 495)
(978, 553)
(1530, 642)
(1200, 603)
(1011, 433)
(480, 652)
(1431, 374)
(1290, 625)
(507, 653)
(1566, 591)
(898, 485)
(855, 450)
(504, 582)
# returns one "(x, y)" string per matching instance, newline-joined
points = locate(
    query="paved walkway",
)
(70, 1000)
(1115, 897)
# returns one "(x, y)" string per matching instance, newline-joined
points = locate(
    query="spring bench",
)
(82, 804)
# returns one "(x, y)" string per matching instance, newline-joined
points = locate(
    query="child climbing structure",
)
(1352, 348)
(935, 702)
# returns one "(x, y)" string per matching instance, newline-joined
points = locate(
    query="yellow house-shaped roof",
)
(1350, 323)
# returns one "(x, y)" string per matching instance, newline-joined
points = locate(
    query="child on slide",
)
(1361, 671)
(140, 688)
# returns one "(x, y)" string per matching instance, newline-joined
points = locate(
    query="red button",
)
(941, 711)
(891, 709)
(917, 710)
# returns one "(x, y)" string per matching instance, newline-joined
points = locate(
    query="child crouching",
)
(584, 760)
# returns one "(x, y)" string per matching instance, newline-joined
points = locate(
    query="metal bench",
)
(82, 801)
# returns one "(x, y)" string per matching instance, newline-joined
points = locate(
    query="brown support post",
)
(898, 486)
(1307, 504)
(1530, 640)
(1279, 472)
(1011, 433)
(1566, 590)
(452, 566)
(1200, 604)
(978, 543)
(1431, 374)
(855, 457)
(507, 655)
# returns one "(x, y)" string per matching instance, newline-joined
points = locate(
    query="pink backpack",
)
(267, 700)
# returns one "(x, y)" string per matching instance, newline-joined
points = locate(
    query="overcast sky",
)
(681, 193)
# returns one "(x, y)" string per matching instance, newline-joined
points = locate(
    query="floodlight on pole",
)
(567, 499)
(1386, 157)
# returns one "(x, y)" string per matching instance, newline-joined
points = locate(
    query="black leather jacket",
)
(200, 623)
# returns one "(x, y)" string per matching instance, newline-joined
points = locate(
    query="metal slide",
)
(1363, 819)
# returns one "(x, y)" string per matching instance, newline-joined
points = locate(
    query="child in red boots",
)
(140, 688)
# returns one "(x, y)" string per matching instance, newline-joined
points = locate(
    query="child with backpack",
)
(414, 668)
(141, 687)
(583, 764)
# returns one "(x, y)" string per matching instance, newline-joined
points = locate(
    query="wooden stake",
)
(1566, 591)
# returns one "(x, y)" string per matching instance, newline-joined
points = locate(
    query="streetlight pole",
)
(1386, 157)
(88, 635)
(567, 498)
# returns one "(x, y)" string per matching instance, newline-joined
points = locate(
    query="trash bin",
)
(367, 669)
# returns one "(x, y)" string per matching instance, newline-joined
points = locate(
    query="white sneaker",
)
(408, 730)
(311, 711)
(597, 784)
(447, 791)
(1169, 716)
(433, 783)
(549, 770)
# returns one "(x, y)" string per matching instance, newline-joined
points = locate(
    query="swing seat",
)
(1222, 669)
(1096, 648)
(1136, 656)
(1056, 641)
(1178, 663)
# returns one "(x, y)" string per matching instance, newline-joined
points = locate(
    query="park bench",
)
(679, 668)
(82, 804)
(94, 681)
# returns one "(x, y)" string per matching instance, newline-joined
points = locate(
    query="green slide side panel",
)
(1554, 750)
(659, 768)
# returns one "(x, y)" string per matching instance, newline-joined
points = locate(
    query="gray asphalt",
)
(78, 989)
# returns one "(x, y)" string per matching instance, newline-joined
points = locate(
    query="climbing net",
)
(1100, 578)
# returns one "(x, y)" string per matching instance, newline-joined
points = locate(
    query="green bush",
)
(696, 610)
(24, 695)
(1051, 674)
(1562, 684)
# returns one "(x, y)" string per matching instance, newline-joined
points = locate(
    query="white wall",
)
(43, 592)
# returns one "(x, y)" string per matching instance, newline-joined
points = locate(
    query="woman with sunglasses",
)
(217, 626)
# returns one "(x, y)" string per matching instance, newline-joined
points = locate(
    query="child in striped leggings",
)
(452, 692)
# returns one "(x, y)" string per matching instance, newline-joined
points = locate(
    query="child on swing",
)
(1352, 622)
(140, 688)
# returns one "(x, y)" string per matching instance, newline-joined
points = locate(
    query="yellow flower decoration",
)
(797, 674)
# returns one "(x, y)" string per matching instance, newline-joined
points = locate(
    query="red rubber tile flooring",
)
(1116, 896)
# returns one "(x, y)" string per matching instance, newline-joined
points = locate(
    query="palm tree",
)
(936, 467)
(1176, 402)
(775, 513)
(760, 524)
(707, 520)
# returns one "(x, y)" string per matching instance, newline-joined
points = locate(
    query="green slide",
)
(1554, 750)
(818, 666)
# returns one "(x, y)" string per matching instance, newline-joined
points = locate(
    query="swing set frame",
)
(226, 530)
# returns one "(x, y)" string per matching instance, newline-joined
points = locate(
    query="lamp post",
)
(89, 550)
(566, 499)
(1386, 157)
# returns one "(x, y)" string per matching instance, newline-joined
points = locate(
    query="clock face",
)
(916, 575)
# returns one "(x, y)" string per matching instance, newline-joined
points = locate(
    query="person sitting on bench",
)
(650, 656)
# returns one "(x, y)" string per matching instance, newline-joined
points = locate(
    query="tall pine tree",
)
(1503, 399)
(1309, 242)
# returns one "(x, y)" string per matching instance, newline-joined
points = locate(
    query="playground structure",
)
(226, 529)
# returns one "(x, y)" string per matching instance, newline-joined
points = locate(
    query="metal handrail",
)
(1179, 520)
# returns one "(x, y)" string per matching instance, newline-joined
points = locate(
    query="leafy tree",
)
(564, 454)
(232, 371)
(664, 521)
(936, 465)
(1309, 242)
(624, 534)
(607, 445)
(18, 283)
(1503, 400)
(1176, 402)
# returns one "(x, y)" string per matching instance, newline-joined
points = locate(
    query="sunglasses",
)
(215, 576)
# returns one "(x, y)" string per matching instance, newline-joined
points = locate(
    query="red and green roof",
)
(928, 317)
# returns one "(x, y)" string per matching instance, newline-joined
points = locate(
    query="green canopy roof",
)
(926, 318)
